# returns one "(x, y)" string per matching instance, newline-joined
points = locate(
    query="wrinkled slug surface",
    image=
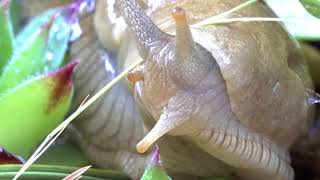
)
(261, 64)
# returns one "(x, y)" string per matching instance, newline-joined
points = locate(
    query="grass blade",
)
(208, 21)
(58, 172)
(313, 6)
(77, 174)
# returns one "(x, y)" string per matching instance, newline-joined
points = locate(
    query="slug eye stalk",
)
(146, 34)
(183, 38)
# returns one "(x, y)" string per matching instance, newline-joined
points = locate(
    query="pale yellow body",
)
(242, 117)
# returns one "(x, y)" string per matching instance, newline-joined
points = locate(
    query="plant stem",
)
(255, 19)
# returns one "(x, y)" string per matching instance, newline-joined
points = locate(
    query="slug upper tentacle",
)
(147, 34)
(183, 37)
(191, 63)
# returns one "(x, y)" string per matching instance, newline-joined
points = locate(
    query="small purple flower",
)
(155, 158)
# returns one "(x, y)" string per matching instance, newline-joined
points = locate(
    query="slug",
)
(109, 130)
(237, 91)
(225, 100)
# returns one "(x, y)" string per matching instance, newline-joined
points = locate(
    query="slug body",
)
(237, 91)
(223, 100)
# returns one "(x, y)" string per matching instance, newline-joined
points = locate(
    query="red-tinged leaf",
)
(30, 111)
(7, 158)
(154, 169)
(62, 83)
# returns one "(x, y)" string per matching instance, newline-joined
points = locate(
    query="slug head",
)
(177, 70)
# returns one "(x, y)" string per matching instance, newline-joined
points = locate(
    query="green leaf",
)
(58, 40)
(58, 172)
(33, 109)
(15, 15)
(32, 26)
(57, 45)
(308, 26)
(6, 36)
(26, 61)
(154, 170)
(41, 48)
(313, 6)
(58, 153)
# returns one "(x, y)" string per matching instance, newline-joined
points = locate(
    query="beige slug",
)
(238, 91)
(224, 100)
